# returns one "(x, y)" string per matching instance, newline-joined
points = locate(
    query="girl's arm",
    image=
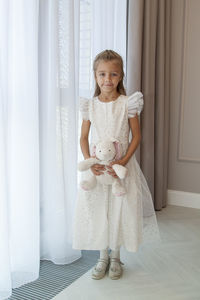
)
(136, 138)
(85, 129)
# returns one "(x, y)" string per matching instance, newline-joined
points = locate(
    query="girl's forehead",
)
(108, 65)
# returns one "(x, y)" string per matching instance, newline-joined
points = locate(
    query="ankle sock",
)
(104, 253)
(115, 253)
(115, 265)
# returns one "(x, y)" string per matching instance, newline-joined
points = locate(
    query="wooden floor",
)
(170, 271)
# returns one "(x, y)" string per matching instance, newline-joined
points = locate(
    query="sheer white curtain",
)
(103, 26)
(58, 94)
(109, 26)
(19, 145)
(39, 55)
(37, 136)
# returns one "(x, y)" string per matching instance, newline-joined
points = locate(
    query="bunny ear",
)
(112, 139)
(118, 150)
(93, 150)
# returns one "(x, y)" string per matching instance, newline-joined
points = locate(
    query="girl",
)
(103, 220)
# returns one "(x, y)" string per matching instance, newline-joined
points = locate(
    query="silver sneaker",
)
(115, 270)
(99, 272)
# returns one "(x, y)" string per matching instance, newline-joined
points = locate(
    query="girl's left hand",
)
(110, 169)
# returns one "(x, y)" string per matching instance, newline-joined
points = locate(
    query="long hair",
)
(108, 55)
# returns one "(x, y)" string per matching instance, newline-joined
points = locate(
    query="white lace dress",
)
(101, 219)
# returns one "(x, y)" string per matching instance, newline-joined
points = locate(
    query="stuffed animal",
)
(104, 153)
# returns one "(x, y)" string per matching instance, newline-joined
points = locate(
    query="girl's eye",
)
(101, 74)
(114, 74)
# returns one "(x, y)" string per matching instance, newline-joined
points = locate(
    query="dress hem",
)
(135, 249)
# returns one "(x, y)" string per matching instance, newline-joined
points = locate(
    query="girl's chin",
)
(107, 88)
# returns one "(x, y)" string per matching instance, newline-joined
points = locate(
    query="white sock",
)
(115, 254)
(104, 253)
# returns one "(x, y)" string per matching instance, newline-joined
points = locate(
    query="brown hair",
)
(108, 55)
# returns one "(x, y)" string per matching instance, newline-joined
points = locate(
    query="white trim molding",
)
(181, 198)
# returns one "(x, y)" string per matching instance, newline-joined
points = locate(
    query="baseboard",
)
(181, 198)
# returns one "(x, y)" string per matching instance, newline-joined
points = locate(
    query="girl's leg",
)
(115, 270)
(115, 253)
(101, 266)
(104, 253)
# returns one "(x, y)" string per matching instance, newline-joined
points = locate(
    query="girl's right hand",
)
(97, 169)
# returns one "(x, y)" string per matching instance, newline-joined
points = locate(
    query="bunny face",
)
(105, 151)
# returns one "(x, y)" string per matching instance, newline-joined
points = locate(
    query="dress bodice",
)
(110, 119)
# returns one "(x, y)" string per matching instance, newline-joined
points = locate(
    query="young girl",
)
(102, 220)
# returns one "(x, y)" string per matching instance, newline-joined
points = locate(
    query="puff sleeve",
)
(84, 108)
(135, 104)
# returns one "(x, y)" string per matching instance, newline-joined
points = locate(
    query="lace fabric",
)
(102, 219)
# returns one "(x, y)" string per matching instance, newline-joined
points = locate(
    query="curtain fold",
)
(147, 70)
(38, 132)
(19, 145)
(58, 86)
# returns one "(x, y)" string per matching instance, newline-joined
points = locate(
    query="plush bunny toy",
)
(105, 152)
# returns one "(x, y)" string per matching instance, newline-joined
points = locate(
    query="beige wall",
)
(184, 147)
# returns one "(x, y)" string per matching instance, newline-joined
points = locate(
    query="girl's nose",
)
(108, 77)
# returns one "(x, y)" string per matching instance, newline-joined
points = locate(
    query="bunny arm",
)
(87, 163)
(121, 171)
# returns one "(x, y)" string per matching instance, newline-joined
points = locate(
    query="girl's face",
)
(108, 75)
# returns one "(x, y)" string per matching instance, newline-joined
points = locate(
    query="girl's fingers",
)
(112, 173)
(98, 173)
(109, 168)
(99, 167)
(96, 169)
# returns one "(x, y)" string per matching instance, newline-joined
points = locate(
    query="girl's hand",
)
(97, 169)
(110, 169)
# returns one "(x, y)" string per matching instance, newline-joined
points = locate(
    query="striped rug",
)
(55, 278)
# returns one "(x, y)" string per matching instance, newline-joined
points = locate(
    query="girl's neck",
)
(106, 97)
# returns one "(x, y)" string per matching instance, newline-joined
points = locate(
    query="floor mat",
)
(55, 278)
